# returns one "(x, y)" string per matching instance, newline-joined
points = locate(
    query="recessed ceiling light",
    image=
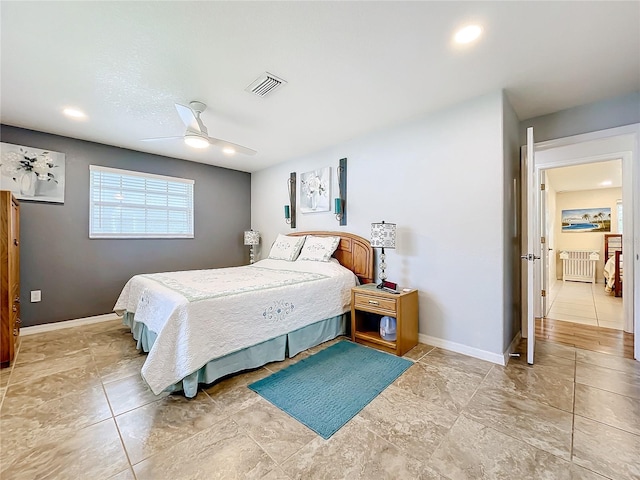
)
(74, 113)
(229, 150)
(468, 34)
(606, 183)
(196, 141)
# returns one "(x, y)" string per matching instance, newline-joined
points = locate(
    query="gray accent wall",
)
(81, 277)
(610, 113)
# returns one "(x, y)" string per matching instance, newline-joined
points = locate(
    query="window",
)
(619, 212)
(126, 204)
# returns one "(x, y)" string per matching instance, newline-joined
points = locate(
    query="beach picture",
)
(586, 220)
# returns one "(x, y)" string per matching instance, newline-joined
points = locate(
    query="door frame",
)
(544, 247)
(567, 154)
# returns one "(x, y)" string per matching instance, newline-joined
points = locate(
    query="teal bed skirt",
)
(273, 350)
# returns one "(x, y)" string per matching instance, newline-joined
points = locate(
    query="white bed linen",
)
(610, 273)
(200, 315)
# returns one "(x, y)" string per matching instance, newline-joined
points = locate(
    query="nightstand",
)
(369, 304)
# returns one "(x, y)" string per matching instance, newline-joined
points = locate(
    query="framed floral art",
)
(314, 190)
(31, 173)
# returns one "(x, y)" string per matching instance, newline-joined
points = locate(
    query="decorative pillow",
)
(286, 248)
(319, 249)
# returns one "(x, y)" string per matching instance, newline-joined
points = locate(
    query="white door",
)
(533, 246)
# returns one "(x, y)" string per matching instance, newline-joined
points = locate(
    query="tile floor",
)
(585, 303)
(74, 407)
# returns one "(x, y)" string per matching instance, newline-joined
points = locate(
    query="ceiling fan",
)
(197, 135)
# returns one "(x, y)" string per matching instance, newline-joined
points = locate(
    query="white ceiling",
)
(590, 176)
(351, 67)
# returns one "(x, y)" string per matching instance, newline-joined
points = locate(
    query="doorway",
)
(583, 208)
(618, 144)
(583, 213)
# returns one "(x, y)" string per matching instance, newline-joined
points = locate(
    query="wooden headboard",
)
(353, 252)
(613, 248)
(612, 243)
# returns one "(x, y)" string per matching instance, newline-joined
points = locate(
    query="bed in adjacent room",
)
(613, 263)
(198, 326)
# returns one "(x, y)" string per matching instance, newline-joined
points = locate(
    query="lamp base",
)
(383, 266)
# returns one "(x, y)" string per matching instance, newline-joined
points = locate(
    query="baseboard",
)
(497, 358)
(49, 327)
(512, 348)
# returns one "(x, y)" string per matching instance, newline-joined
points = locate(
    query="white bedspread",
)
(610, 273)
(200, 315)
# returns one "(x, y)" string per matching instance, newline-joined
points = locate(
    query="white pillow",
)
(319, 249)
(286, 248)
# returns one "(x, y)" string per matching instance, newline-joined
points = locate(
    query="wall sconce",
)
(383, 235)
(338, 209)
(340, 203)
(251, 238)
(290, 210)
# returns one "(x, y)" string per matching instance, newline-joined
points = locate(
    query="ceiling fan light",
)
(74, 113)
(196, 141)
(229, 150)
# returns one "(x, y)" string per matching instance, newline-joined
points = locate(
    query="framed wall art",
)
(314, 190)
(586, 220)
(31, 173)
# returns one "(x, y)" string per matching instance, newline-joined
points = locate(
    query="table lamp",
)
(383, 235)
(251, 238)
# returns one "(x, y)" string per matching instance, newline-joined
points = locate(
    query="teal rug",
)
(326, 390)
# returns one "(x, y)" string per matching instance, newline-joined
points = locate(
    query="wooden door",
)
(14, 268)
(9, 276)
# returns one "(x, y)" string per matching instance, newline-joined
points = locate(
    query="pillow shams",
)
(319, 249)
(286, 248)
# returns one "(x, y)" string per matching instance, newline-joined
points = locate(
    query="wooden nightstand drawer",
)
(367, 302)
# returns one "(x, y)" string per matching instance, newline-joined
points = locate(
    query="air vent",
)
(265, 84)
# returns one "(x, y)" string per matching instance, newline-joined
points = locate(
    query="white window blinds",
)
(126, 204)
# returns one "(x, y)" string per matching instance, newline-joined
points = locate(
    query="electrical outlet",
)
(36, 295)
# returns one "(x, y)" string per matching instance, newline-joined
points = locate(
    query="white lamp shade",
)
(251, 237)
(383, 235)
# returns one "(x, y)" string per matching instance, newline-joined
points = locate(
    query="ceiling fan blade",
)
(237, 148)
(160, 138)
(188, 117)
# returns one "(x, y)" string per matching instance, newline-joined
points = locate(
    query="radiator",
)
(579, 265)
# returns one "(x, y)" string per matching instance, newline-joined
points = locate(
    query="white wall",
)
(440, 179)
(609, 113)
(599, 198)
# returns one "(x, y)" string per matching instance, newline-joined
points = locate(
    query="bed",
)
(613, 263)
(198, 326)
